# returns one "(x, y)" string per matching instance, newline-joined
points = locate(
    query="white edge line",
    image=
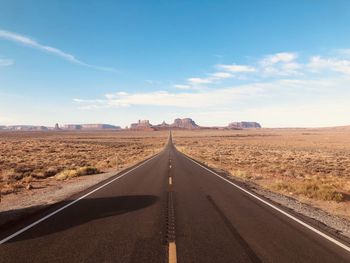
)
(277, 209)
(71, 203)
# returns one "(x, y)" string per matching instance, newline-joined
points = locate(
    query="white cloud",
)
(284, 57)
(280, 64)
(284, 102)
(198, 99)
(222, 75)
(317, 64)
(24, 40)
(180, 86)
(197, 81)
(291, 96)
(4, 62)
(236, 68)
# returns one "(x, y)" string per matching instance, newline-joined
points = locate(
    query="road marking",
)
(170, 181)
(347, 248)
(71, 203)
(170, 166)
(172, 252)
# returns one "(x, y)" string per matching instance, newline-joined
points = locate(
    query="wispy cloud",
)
(282, 89)
(4, 62)
(290, 102)
(196, 81)
(236, 68)
(272, 66)
(284, 57)
(317, 64)
(222, 75)
(180, 86)
(198, 99)
(283, 64)
(27, 41)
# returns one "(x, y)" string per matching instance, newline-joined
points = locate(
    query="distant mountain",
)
(142, 125)
(97, 126)
(244, 125)
(161, 126)
(24, 128)
(145, 125)
(186, 123)
(57, 128)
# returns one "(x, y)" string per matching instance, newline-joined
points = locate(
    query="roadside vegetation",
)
(311, 165)
(30, 160)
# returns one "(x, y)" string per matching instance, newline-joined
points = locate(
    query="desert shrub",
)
(88, 170)
(66, 174)
(310, 188)
(282, 187)
(81, 171)
(10, 176)
(50, 172)
(317, 190)
(24, 170)
(241, 174)
(289, 173)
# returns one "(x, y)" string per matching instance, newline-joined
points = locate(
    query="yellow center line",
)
(172, 252)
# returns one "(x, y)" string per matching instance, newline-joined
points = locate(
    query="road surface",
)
(167, 209)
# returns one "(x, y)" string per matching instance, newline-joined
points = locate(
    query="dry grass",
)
(27, 157)
(312, 165)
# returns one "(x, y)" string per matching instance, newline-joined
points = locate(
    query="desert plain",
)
(310, 165)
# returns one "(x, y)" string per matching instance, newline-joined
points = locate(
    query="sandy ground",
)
(53, 191)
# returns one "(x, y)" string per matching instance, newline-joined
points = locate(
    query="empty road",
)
(167, 209)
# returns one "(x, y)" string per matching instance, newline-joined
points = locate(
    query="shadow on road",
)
(82, 212)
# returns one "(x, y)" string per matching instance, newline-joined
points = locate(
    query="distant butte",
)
(189, 124)
(141, 125)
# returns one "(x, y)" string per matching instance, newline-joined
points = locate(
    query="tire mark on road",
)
(251, 254)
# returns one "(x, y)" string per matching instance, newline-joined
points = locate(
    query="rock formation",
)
(143, 125)
(186, 123)
(90, 127)
(244, 125)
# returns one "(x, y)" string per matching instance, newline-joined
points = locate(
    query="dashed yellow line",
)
(172, 252)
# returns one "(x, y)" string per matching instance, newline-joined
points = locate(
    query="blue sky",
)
(282, 63)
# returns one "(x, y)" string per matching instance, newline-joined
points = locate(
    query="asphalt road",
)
(134, 216)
